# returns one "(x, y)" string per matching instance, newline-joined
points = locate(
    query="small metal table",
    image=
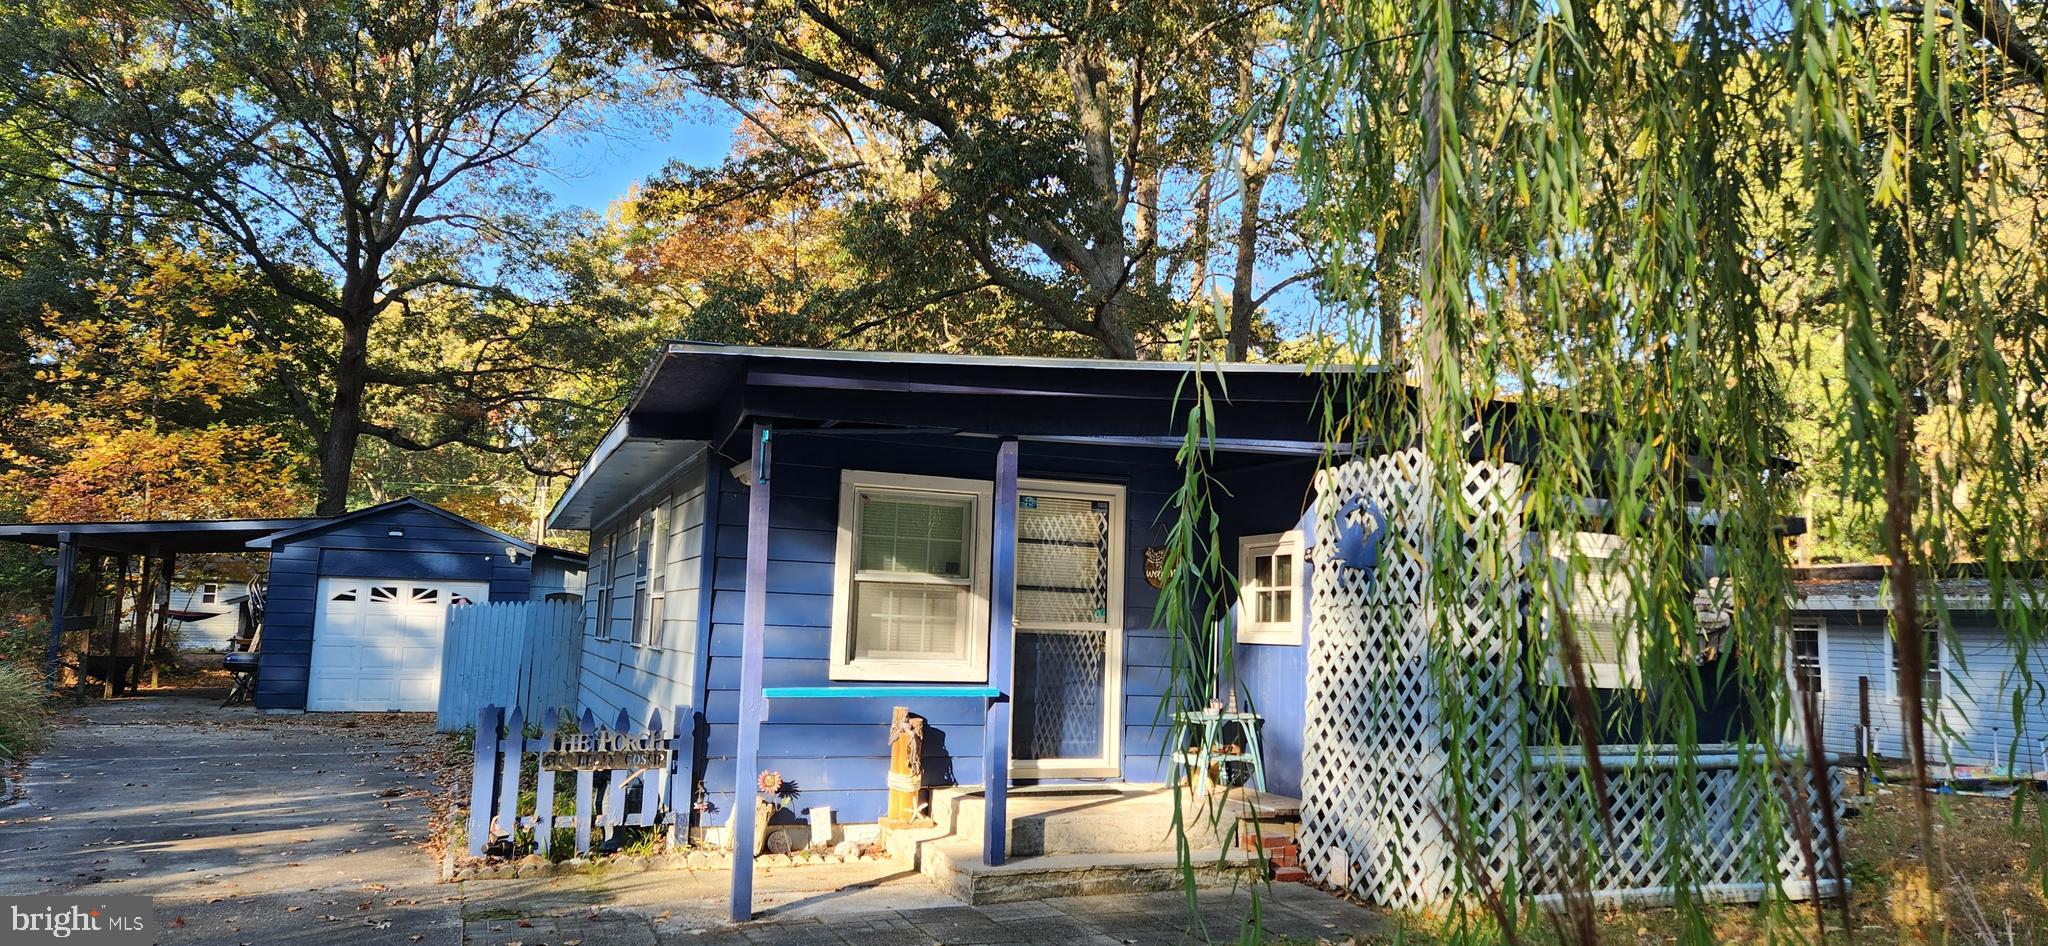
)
(1207, 728)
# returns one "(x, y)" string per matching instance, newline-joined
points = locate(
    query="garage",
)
(377, 642)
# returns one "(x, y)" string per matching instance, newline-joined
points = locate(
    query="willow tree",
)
(1617, 214)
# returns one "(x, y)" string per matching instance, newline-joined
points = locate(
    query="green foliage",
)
(24, 713)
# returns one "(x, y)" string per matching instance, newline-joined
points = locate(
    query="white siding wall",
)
(1978, 685)
(215, 632)
(618, 674)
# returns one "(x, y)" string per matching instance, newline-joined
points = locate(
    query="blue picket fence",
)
(522, 654)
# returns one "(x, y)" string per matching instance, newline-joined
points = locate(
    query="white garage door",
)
(377, 642)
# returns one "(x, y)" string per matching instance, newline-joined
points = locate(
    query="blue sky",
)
(594, 170)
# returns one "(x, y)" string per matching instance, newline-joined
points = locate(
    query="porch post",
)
(1002, 645)
(67, 562)
(753, 705)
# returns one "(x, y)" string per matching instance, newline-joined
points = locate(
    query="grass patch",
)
(24, 713)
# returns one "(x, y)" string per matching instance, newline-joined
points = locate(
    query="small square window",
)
(1268, 610)
(209, 593)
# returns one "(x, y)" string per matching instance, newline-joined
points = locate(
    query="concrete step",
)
(1065, 841)
(1077, 820)
(957, 868)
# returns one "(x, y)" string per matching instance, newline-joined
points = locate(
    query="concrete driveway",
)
(286, 830)
(245, 828)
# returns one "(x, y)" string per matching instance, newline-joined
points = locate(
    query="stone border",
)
(694, 859)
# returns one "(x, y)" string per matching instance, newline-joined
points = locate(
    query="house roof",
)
(698, 396)
(1867, 588)
(316, 526)
(185, 536)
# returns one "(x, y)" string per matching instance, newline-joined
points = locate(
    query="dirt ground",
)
(1989, 849)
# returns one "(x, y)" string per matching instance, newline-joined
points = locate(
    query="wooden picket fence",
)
(527, 652)
(496, 779)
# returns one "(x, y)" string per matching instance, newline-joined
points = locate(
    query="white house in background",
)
(1842, 646)
(204, 612)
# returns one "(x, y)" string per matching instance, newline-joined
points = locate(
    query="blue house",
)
(787, 543)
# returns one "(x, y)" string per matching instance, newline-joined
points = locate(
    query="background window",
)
(1808, 672)
(209, 593)
(1269, 589)
(1930, 687)
(912, 583)
(1591, 579)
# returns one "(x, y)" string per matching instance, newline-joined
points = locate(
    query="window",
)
(459, 600)
(643, 563)
(1269, 589)
(426, 595)
(601, 628)
(650, 580)
(344, 594)
(384, 593)
(911, 580)
(209, 593)
(1930, 687)
(1808, 657)
(1597, 604)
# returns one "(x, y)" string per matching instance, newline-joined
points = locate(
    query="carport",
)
(94, 558)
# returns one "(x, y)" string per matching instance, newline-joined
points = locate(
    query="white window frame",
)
(657, 576)
(209, 593)
(1624, 672)
(1110, 764)
(1939, 652)
(601, 628)
(1249, 629)
(644, 529)
(974, 666)
(1820, 628)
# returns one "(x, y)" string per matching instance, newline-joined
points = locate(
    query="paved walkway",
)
(1291, 913)
(287, 830)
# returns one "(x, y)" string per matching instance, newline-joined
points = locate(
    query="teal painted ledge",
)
(880, 693)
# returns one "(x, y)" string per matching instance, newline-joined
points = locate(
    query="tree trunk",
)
(344, 417)
(1251, 195)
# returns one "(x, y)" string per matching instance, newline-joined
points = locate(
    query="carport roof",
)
(176, 535)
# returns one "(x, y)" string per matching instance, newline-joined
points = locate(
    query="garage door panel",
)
(377, 643)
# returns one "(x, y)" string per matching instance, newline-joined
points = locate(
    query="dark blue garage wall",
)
(837, 751)
(435, 546)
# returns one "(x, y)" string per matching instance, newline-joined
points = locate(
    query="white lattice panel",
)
(1377, 812)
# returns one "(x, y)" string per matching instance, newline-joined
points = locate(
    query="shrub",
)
(24, 713)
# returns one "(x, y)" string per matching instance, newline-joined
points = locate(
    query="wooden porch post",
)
(753, 705)
(1002, 642)
(169, 573)
(67, 562)
(111, 684)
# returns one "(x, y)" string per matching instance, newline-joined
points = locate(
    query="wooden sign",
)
(1155, 565)
(605, 749)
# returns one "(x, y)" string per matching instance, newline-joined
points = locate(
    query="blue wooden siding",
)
(1273, 678)
(1978, 683)
(836, 751)
(433, 547)
(617, 673)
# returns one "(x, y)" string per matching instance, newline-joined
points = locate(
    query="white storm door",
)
(1067, 699)
(377, 642)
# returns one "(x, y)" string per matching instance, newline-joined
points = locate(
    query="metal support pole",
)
(753, 704)
(1002, 645)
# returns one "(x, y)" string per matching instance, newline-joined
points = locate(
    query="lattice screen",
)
(1376, 760)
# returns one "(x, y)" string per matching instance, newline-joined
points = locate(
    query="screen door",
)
(1068, 690)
